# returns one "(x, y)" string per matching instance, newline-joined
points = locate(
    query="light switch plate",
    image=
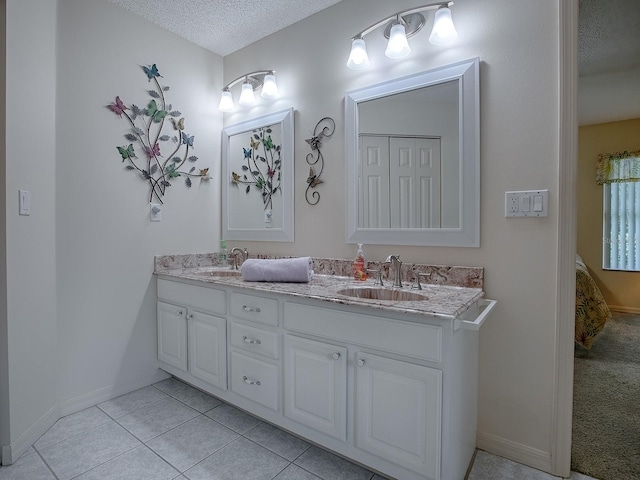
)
(526, 203)
(24, 202)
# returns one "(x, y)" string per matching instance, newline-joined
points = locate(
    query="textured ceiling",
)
(609, 30)
(224, 26)
(609, 36)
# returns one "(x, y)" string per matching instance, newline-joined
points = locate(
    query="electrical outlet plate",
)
(526, 203)
(155, 212)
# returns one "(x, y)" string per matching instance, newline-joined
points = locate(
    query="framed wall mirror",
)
(257, 179)
(413, 159)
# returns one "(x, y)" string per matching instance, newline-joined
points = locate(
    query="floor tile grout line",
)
(107, 461)
(212, 453)
(71, 436)
(136, 409)
(45, 463)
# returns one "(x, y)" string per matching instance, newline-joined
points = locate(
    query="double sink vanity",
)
(386, 377)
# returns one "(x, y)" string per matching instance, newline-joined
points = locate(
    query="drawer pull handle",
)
(246, 339)
(336, 355)
(246, 380)
(361, 363)
(251, 309)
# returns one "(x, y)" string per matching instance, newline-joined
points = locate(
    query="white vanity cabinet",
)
(315, 387)
(398, 412)
(395, 391)
(192, 339)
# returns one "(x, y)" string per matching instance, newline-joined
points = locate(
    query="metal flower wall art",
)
(162, 157)
(261, 166)
(315, 142)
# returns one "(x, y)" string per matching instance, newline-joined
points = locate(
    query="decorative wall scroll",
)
(145, 132)
(328, 127)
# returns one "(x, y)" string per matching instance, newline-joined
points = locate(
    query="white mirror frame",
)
(467, 75)
(286, 232)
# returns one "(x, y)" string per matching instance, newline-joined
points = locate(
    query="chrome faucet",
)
(396, 266)
(234, 253)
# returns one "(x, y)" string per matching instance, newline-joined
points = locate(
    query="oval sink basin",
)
(219, 273)
(373, 293)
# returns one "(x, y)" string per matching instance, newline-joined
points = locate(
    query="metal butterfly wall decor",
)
(261, 166)
(315, 142)
(145, 132)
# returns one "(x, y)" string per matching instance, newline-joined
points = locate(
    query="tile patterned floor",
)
(171, 431)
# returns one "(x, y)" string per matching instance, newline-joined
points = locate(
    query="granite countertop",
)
(442, 300)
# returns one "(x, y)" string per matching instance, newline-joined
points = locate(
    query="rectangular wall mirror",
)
(413, 159)
(257, 179)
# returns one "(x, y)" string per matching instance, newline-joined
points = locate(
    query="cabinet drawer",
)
(208, 299)
(394, 336)
(255, 380)
(255, 340)
(256, 309)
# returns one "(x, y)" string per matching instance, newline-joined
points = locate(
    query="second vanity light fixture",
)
(262, 79)
(401, 26)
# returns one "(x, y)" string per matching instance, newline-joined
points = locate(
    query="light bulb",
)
(246, 95)
(270, 87)
(358, 58)
(443, 29)
(226, 102)
(398, 47)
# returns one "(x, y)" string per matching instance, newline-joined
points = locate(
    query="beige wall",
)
(517, 43)
(620, 289)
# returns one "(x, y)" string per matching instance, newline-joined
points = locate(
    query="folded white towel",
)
(278, 270)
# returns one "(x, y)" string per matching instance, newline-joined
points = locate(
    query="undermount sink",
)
(373, 293)
(219, 273)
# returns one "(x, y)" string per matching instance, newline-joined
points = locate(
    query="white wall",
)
(30, 240)
(609, 97)
(105, 241)
(79, 325)
(517, 42)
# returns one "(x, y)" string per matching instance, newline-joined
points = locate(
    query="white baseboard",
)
(621, 309)
(90, 399)
(514, 451)
(11, 453)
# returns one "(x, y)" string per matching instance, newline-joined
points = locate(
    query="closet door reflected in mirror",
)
(401, 180)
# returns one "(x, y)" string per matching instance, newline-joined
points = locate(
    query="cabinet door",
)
(398, 412)
(208, 348)
(315, 385)
(172, 335)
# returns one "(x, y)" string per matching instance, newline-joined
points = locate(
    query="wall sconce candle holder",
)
(315, 142)
(264, 80)
(401, 26)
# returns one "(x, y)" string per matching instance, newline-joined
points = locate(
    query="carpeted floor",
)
(606, 403)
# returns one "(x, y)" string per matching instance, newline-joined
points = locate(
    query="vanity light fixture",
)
(399, 27)
(264, 80)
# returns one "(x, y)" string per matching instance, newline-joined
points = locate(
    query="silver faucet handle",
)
(416, 279)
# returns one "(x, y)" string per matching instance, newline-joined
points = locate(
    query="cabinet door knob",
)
(180, 312)
(336, 355)
(248, 381)
(251, 309)
(246, 339)
(360, 362)
(190, 315)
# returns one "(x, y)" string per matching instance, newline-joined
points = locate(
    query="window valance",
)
(618, 167)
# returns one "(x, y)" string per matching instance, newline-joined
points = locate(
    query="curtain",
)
(618, 167)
